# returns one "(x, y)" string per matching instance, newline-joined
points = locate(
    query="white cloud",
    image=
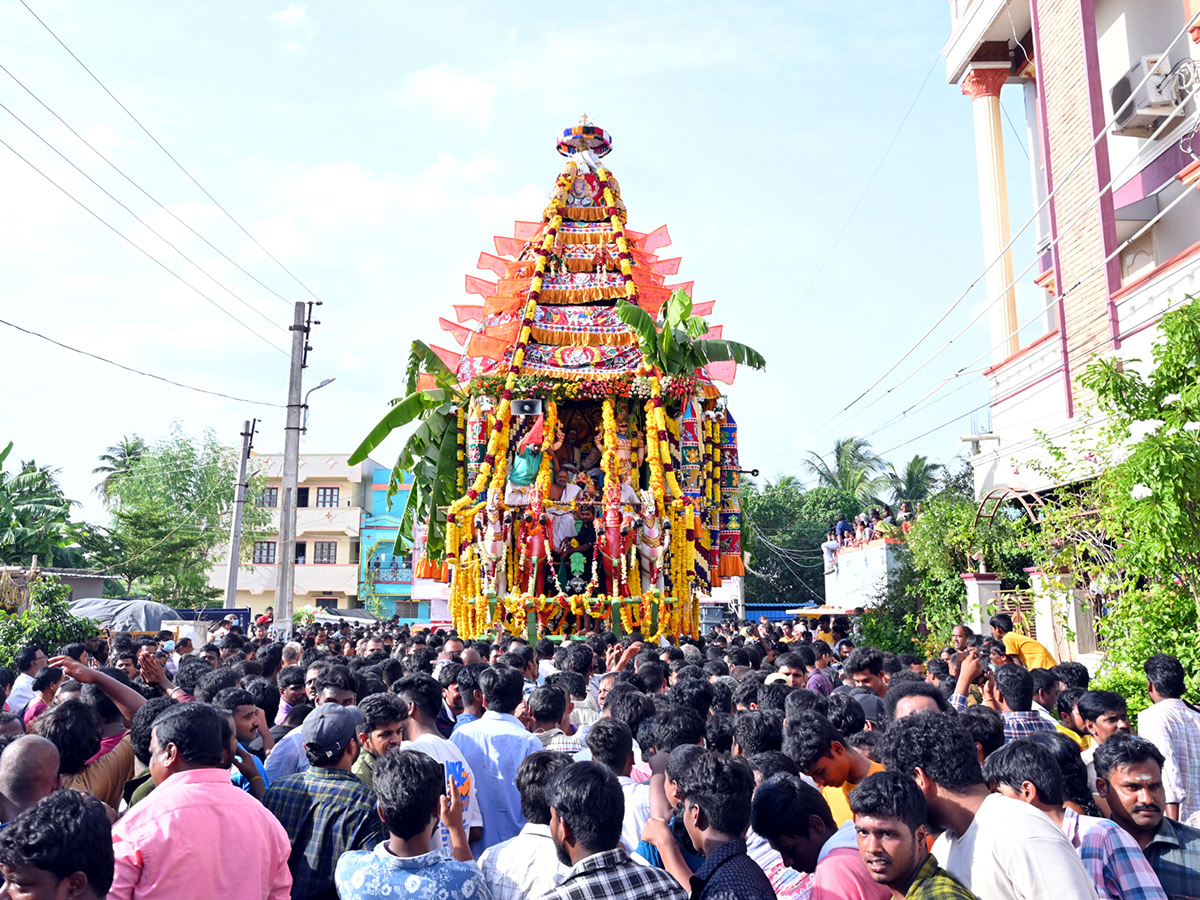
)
(293, 17)
(450, 93)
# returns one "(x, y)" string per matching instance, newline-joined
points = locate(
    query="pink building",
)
(1109, 91)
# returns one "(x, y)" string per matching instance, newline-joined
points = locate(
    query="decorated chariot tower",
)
(574, 460)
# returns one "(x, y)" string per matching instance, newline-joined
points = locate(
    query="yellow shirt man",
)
(1032, 654)
(838, 798)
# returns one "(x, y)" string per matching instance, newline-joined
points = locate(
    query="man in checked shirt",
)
(587, 807)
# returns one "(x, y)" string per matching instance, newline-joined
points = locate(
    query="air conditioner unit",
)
(1152, 101)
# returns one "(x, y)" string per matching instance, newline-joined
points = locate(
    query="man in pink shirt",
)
(167, 843)
(795, 819)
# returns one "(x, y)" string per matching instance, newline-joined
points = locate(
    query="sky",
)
(814, 168)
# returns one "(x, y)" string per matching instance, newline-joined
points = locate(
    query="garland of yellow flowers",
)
(461, 448)
(497, 448)
(546, 469)
(624, 257)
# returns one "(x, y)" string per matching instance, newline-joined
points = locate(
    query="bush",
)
(47, 623)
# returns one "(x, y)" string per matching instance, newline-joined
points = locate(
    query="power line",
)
(143, 223)
(1100, 135)
(189, 175)
(135, 371)
(150, 196)
(822, 429)
(861, 197)
(142, 250)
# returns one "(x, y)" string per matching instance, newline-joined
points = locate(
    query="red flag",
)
(507, 246)
(496, 306)
(714, 333)
(465, 312)
(506, 332)
(460, 332)
(426, 382)
(721, 371)
(495, 263)
(526, 230)
(481, 287)
(685, 286)
(702, 309)
(488, 347)
(667, 266)
(659, 237)
(449, 357)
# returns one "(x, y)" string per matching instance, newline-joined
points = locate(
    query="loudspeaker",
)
(527, 407)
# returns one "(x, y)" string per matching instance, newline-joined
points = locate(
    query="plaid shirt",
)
(1116, 863)
(325, 812)
(1174, 727)
(932, 882)
(612, 875)
(1174, 852)
(1022, 724)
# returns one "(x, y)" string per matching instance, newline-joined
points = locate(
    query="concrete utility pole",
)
(285, 560)
(239, 503)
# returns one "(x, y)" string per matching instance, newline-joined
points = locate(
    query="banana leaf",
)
(412, 407)
(704, 352)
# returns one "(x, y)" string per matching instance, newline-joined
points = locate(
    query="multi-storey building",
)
(330, 504)
(1118, 234)
(386, 577)
(1108, 89)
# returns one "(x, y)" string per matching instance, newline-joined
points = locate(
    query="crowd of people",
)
(864, 528)
(760, 761)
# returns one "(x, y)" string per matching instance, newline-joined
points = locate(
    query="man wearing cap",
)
(325, 810)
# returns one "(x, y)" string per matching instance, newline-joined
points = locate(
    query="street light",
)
(304, 427)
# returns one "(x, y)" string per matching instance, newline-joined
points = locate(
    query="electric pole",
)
(285, 560)
(239, 503)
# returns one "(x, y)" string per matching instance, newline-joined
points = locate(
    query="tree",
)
(852, 467)
(47, 621)
(34, 514)
(116, 462)
(916, 481)
(783, 527)
(171, 510)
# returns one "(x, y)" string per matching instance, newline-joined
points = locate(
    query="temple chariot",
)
(575, 463)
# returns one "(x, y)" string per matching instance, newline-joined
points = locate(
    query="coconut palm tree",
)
(117, 462)
(916, 481)
(852, 467)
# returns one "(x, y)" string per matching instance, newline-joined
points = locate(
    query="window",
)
(302, 497)
(324, 552)
(301, 552)
(327, 496)
(269, 497)
(326, 602)
(264, 553)
(407, 610)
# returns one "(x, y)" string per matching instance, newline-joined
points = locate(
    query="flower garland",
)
(657, 486)
(624, 256)
(662, 438)
(461, 451)
(546, 469)
(546, 387)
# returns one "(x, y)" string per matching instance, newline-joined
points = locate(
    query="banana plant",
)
(430, 454)
(673, 344)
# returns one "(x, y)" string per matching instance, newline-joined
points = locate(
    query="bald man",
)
(28, 772)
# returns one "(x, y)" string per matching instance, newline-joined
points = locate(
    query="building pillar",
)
(982, 85)
(982, 588)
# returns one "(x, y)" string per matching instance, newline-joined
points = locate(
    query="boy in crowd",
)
(889, 820)
(412, 801)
